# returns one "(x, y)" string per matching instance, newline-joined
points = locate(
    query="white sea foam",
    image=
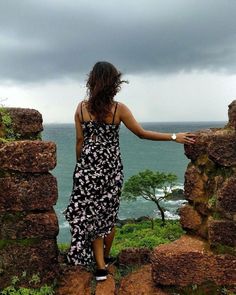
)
(168, 214)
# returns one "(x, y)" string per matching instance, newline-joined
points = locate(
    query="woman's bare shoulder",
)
(121, 105)
(80, 105)
(123, 108)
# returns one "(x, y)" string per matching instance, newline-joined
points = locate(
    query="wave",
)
(168, 214)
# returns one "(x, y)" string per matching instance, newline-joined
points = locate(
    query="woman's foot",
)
(101, 274)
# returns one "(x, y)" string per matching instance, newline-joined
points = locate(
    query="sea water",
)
(137, 155)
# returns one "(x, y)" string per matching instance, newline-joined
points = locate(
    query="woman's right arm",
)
(130, 122)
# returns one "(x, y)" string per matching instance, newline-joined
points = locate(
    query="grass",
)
(208, 288)
(140, 234)
(15, 289)
(44, 290)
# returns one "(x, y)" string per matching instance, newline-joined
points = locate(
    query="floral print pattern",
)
(97, 183)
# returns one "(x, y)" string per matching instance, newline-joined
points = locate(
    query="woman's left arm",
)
(79, 133)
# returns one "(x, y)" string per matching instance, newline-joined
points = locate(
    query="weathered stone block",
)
(140, 282)
(187, 261)
(222, 148)
(27, 192)
(75, 281)
(190, 219)
(232, 114)
(32, 225)
(25, 122)
(222, 232)
(226, 200)
(28, 156)
(35, 256)
(193, 151)
(106, 287)
(194, 185)
(134, 256)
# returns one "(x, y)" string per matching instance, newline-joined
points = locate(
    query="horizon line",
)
(141, 122)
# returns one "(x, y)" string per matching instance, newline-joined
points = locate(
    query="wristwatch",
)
(173, 137)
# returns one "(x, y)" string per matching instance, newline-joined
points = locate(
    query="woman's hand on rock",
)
(185, 138)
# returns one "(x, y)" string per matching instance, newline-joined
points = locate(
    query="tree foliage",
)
(146, 184)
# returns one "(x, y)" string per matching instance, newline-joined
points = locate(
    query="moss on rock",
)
(22, 242)
(6, 127)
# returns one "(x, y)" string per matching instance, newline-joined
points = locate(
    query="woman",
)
(98, 174)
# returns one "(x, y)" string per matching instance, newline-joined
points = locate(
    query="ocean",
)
(137, 155)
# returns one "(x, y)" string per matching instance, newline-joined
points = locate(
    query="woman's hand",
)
(185, 138)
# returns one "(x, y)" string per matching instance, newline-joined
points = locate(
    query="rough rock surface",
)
(107, 287)
(190, 219)
(26, 192)
(28, 225)
(232, 114)
(194, 186)
(75, 281)
(200, 147)
(134, 256)
(31, 255)
(226, 201)
(140, 283)
(202, 208)
(28, 156)
(222, 232)
(26, 122)
(222, 149)
(187, 261)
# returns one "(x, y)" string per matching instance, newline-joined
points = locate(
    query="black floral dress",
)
(98, 178)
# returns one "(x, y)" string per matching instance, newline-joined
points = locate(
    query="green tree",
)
(146, 183)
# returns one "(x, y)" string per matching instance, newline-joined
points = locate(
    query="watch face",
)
(173, 136)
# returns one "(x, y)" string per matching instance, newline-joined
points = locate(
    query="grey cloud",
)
(51, 39)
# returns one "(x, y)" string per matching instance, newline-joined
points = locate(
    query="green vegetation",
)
(223, 249)
(6, 121)
(12, 217)
(44, 290)
(216, 215)
(7, 132)
(207, 288)
(14, 289)
(212, 202)
(146, 184)
(140, 234)
(214, 170)
(63, 247)
(21, 242)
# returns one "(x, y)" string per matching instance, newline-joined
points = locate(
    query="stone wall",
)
(28, 192)
(210, 185)
(207, 253)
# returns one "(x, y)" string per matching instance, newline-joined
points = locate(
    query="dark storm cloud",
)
(51, 39)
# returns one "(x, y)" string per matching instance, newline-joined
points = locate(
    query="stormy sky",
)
(178, 55)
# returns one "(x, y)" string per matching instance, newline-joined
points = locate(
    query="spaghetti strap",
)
(90, 115)
(114, 113)
(81, 106)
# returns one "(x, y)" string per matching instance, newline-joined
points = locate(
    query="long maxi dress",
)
(97, 183)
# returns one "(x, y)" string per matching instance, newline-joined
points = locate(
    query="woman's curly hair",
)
(103, 83)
